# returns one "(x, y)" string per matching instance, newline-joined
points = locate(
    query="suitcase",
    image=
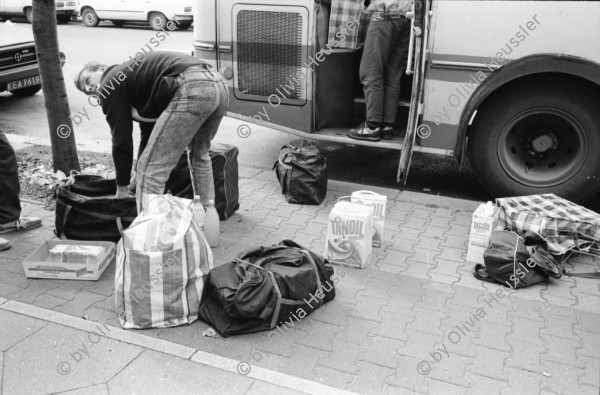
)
(225, 175)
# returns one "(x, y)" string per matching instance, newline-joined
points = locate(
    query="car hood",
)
(12, 33)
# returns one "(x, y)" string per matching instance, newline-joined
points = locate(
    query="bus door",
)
(263, 50)
(416, 66)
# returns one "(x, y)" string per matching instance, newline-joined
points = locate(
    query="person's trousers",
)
(10, 206)
(386, 46)
(190, 122)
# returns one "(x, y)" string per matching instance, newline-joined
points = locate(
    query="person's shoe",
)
(23, 223)
(364, 132)
(387, 133)
(4, 244)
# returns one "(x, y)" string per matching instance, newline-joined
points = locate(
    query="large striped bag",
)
(162, 260)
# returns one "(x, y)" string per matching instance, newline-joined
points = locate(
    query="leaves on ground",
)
(38, 180)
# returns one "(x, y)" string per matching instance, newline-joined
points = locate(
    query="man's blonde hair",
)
(92, 66)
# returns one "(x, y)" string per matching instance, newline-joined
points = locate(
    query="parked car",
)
(156, 12)
(23, 8)
(19, 72)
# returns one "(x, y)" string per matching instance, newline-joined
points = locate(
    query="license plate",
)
(23, 83)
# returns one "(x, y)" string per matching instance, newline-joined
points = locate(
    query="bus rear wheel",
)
(539, 138)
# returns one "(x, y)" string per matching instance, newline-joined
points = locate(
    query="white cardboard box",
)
(39, 265)
(482, 227)
(349, 235)
(379, 203)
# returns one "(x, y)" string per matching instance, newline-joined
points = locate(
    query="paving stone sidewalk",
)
(415, 320)
(97, 359)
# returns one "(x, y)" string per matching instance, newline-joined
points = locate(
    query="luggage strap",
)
(480, 272)
(280, 299)
(583, 275)
(68, 209)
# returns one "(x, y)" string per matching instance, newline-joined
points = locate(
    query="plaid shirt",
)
(345, 25)
(565, 225)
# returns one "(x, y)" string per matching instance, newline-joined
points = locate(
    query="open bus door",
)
(417, 53)
(262, 50)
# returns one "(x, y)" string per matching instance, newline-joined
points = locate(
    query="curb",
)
(173, 349)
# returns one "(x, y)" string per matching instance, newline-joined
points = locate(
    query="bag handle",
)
(480, 272)
(591, 275)
(364, 191)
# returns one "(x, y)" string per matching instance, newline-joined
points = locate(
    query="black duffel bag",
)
(302, 173)
(266, 287)
(88, 210)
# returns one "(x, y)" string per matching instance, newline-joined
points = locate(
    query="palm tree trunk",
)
(64, 149)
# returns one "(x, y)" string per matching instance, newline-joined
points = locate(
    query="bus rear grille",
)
(15, 58)
(269, 53)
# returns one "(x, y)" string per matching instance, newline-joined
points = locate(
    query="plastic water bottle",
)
(198, 211)
(489, 209)
(212, 225)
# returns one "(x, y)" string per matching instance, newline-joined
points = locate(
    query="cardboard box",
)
(379, 203)
(482, 226)
(349, 235)
(39, 264)
(74, 253)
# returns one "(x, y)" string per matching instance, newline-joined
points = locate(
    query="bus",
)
(514, 86)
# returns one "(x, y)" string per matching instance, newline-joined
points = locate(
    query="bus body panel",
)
(264, 52)
(461, 59)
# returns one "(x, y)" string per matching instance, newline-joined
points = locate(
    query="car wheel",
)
(90, 18)
(29, 14)
(184, 25)
(29, 91)
(117, 22)
(537, 138)
(158, 21)
(63, 18)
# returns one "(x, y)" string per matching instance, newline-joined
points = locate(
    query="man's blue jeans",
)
(190, 122)
(386, 46)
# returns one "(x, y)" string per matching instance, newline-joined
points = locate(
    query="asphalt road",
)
(110, 44)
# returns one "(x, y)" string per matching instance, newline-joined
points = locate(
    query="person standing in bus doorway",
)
(385, 49)
(188, 97)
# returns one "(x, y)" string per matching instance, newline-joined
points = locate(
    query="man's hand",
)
(132, 183)
(122, 192)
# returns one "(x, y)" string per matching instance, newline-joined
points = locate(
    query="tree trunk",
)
(64, 150)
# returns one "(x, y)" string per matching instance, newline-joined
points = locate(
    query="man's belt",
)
(380, 16)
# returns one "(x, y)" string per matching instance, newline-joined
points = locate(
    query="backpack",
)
(509, 262)
(266, 287)
(302, 173)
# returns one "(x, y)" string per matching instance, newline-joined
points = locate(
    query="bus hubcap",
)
(542, 147)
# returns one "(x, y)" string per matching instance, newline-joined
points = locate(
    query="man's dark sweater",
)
(146, 83)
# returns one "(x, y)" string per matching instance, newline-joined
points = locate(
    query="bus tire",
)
(90, 18)
(539, 137)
